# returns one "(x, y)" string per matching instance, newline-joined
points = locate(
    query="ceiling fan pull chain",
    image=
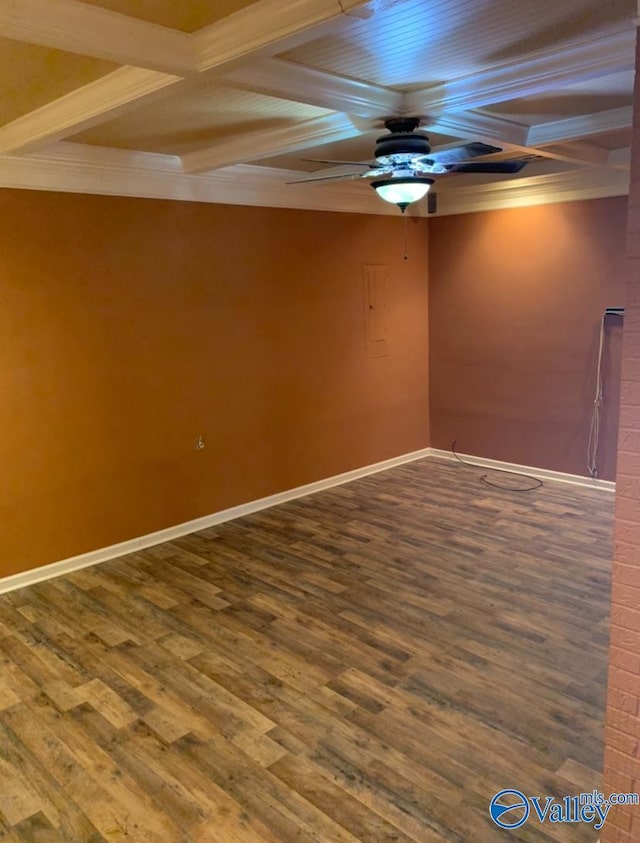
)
(406, 256)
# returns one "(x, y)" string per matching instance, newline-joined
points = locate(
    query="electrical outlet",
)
(199, 443)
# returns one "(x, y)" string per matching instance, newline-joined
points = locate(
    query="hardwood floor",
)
(370, 664)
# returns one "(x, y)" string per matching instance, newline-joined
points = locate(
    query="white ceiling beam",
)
(478, 126)
(512, 137)
(85, 107)
(299, 83)
(80, 28)
(584, 126)
(93, 31)
(269, 24)
(280, 78)
(547, 71)
(88, 155)
(252, 146)
(576, 152)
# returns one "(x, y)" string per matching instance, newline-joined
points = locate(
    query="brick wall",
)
(622, 734)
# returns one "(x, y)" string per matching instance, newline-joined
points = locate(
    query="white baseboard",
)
(539, 473)
(95, 557)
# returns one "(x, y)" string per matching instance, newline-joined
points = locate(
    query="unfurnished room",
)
(319, 421)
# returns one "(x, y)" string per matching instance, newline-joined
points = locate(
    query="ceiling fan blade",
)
(377, 173)
(432, 202)
(461, 153)
(343, 177)
(488, 167)
(329, 161)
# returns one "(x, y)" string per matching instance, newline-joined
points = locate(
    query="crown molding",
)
(109, 96)
(540, 190)
(584, 126)
(80, 168)
(98, 32)
(290, 81)
(254, 145)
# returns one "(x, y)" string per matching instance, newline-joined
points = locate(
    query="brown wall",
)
(515, 302)
(129, 327)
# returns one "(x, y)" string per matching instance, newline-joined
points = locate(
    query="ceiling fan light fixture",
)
(402, 191)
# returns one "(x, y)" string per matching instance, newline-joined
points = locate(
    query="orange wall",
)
(129, 327)
(515, 302)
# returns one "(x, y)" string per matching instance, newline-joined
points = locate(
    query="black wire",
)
(483, 478)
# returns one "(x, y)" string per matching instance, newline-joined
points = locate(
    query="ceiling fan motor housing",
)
(403, 143)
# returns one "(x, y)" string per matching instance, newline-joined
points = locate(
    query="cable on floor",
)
(484, 478)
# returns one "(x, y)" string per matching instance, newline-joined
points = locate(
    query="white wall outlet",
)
(199, 443)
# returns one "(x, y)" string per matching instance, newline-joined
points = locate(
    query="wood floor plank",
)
(370, 664)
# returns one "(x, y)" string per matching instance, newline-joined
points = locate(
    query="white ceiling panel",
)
(545, 109)
(186, 122)
(417, 42)
(185, 15)
(159, 98)
(34, 75)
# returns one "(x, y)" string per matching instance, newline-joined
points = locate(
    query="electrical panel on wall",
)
(376, 310)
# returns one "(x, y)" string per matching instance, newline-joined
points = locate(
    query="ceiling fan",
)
(404, 164)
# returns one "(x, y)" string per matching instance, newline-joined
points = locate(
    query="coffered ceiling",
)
(222, 100)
